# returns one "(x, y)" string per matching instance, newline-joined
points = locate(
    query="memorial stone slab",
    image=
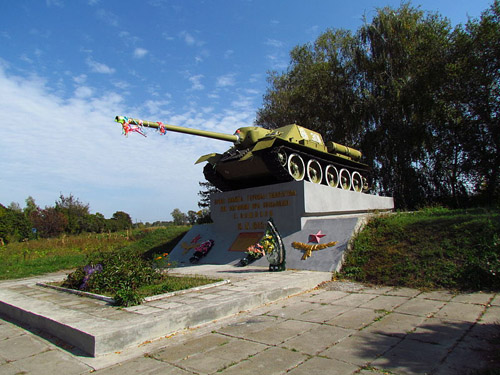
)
(299, 209)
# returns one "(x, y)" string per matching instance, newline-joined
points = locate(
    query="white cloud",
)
(274, 43)
(98, 67)
(57, 3)
(80, 79)
(196, 84)
(52, 144)
(140, 53)
(226, 80)
(188, 38)
(83, 92)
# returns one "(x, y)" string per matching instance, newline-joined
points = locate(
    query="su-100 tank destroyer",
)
(262, 157)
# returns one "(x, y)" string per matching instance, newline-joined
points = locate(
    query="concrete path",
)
(340, 328)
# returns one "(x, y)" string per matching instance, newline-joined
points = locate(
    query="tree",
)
(402, 56)
(179, 217)
(49, 222)
(420, 100)
(207, 190)
(192, 216)
(478, 52)
(76, 213)
(121, 220)
(319, 90)
(14, 226)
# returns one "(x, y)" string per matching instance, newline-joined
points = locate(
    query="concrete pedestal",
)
(299, 209)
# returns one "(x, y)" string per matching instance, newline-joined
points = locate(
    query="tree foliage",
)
(68, 216)
(419, 98)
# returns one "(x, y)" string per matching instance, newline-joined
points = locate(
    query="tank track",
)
(281, 172)
(216, 179)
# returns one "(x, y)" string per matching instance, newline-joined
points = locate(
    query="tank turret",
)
(262, 157)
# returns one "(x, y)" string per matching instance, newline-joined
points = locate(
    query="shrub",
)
(118, 273)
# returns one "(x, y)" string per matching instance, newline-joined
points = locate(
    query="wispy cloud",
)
(196, 82)
(98, 67)
(72, 145)
(274, 43)
(190, 40)
(139, 53)
(57, 3)
(226, 80)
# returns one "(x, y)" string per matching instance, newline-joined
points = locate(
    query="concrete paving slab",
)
(354, 299)
(356, 318)
(439, 295)
(479, 298)
(280, 332)
(325, 296)
(323, 313)
(491, 316)
(436, 331)
(420, 307)
(144, 365)
(221, 357)
(51, 362)
(322, 366)
(404, 292)
(270, 362)
(19, 347)
(395, 324)
(387, 303)
(361, 348)
(317, 339)
(455, 311)
(411, 357)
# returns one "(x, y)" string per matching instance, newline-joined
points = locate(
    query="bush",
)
(118, 273)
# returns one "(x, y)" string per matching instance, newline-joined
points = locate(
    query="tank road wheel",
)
(282, 158)
(314, 172)
(357, 182)
(345, 179)
(296, 167)
(332, 176)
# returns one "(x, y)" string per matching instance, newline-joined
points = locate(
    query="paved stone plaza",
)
(339, 328)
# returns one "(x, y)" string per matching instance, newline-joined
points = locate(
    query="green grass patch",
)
(38, 266)
(173, 284)
(36, 257)
(432, 248)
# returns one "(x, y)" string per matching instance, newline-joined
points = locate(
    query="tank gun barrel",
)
(179, 129)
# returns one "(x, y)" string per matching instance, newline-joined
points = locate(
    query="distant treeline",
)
(68, 215)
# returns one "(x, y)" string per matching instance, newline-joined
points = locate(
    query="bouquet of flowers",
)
(201, 251)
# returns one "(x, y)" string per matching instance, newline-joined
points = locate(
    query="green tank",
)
(262, 157)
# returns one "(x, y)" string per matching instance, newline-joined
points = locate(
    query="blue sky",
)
(67, 68)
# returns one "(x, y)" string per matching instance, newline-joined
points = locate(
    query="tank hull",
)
(264, 167)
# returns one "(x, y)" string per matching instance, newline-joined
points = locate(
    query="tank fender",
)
(261, 145)
(212, 158)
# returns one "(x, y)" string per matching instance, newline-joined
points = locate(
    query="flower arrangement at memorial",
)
(201, 251)
(269, 245)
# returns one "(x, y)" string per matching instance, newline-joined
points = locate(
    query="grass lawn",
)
(36, 257)
(431, 248)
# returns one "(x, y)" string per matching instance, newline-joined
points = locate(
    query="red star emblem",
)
(316, 237)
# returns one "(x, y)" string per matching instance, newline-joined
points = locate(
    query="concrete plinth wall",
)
(299, 209)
